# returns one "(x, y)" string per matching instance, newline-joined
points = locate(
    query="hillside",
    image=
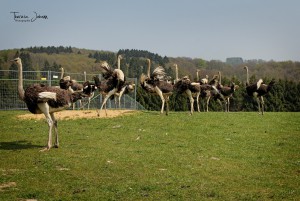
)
(80, 60)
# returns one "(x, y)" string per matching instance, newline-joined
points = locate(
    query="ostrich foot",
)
(55, 146)
(45, 149)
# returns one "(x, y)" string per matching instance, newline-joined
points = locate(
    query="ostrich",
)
(258, 90)
(103, 88)
(226, 92)
(156, 84)
(47, 100)
(71, 85)
(207, 89)
(90, 94)
(76, 87)
(114, 84)
(191, 89)
(127, 88)
(203, 80)
(64, 82)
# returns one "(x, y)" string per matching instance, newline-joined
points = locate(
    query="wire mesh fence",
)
(9, 99)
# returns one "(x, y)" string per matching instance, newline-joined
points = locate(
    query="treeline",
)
(28, 66)
(49, 49)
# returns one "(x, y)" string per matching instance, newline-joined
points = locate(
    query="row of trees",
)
(49, 49)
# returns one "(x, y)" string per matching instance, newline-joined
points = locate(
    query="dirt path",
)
(77, 114)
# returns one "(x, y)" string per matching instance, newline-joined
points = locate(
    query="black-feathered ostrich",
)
(127, 88)
(208, 89)
(156, 84)
(258, 90)
(91, 93)
(189, 88)
(47, 100)
(71, 85)
(64, 82)
(115, 81)
(226, 92)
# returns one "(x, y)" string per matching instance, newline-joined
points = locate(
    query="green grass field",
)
(147, 156)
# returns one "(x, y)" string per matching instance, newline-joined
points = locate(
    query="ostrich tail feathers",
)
(104, 65)
(159, 73)
(260, 81)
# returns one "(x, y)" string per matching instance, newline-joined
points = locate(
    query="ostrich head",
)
(17, 61)
(246, 67)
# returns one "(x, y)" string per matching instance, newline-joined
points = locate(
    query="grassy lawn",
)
(147, 156)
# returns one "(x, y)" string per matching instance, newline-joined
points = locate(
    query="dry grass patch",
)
(79, 114)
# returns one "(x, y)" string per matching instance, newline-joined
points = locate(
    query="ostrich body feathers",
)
(55, 97)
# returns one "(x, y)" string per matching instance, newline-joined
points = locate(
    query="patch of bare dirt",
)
(79, 114)
(7, 185)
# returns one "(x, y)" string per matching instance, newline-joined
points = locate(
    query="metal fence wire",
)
(9, 99)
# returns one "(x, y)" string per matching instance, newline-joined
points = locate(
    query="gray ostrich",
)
(41, 99)
(156, 84)
(258, 90)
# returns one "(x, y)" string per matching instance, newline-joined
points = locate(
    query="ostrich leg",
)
(167, 105)
(189, 93)
(159, 92)
(262, 105)
(228, 103)
(44, 107)
(105, 100)
(56, 144)
(258, 103)
(198, 102)
(207, 102)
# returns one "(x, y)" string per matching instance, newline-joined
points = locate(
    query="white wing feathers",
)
(45, 96)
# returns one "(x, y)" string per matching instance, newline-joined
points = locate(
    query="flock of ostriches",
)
(42, 99)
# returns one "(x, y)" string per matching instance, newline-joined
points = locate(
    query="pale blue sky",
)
(207, 29)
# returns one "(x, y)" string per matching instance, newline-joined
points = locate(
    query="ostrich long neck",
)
(197, 75)
(119, 62)
(149, 66)
(176, 72)
(220, 77)
(247, 81)
(20, 82)
(62, 73)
